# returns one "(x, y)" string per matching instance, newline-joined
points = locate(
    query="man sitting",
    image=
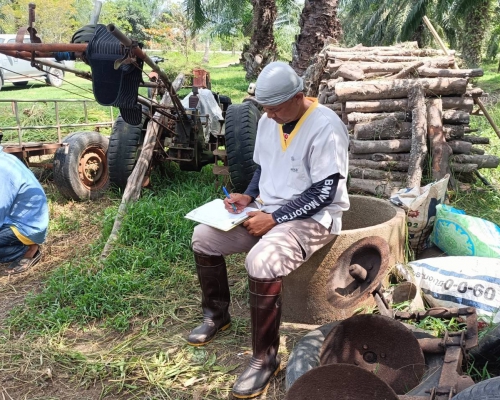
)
(24, 215)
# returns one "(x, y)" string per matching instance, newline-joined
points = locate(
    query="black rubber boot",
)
(265, 311)
(215, 298)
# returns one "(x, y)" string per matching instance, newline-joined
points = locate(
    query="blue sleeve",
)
(314, 199)
(253, 186)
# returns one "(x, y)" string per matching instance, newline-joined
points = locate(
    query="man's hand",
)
(259, 223)
(239, 200)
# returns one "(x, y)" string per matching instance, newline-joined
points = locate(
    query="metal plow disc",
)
(377, 344)
(340, 382)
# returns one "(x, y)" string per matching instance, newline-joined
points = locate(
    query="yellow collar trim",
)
(286, 143)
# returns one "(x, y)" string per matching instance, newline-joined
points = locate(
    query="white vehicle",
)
(19, 72)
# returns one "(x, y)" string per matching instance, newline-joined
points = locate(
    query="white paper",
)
(214, 214)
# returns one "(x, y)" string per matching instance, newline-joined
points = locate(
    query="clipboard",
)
(215, 215)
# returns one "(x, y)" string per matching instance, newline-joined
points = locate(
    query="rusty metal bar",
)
(43, 47)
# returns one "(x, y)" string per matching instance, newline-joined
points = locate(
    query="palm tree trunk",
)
(318, 23)
(262, 48)
(477, 23)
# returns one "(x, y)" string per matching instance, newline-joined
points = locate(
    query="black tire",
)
(305, 356)
(23, 83)
(241, 132)
(55, 77)
(485, 390)
(81, 169)
(124, 149)
(488, 348)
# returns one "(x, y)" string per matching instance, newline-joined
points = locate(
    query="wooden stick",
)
(407, 71)
(440, 151)
(384, 165)
(136, 178)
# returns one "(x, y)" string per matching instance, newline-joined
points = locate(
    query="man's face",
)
(284, 112)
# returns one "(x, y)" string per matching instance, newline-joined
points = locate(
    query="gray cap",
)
(277, 83)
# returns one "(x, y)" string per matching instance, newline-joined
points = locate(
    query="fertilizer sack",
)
(458, 282)
(420, 206)
(458, 234)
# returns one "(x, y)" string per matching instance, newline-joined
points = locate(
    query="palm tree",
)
(262, 47)
(318, 23)
(383, 22)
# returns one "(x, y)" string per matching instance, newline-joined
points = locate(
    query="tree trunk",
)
(476, 24)
(318, 23)
(262, 48)
(416, 99)
(207, 52)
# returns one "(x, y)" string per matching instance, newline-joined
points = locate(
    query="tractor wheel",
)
(124, 148)
(20, 84)
(81, 169)
(485, 390)
(55, 77)
(241, 131)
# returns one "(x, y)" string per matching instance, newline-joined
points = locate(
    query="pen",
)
(227, 195)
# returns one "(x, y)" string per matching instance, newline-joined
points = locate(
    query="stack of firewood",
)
(401, 105)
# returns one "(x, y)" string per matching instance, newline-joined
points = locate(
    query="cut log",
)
(350, 72)
(334, 107)
(476, 139)
(330, 83)
(380, 146)
(456, 167)
(387, 128)
(383, 89)
(376, 187)
(411, 69)
(371, 75)
(456, 117)
(381, 157)
(477, 150)
(458, 103)
(474, 93)
(418, 146)
(460, 147)
(392, 105)
(366, 173)
(482, 161)
(332, 99)
(383, 165)
(360, 47)
(453, 132)
(387, 68)
(356, 118)
(449, 73)
(440, 151)
(388, 52)
(373, 58)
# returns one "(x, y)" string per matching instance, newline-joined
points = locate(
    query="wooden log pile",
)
(407, 110)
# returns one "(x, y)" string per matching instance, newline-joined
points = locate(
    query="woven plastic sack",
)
(420, 206)
(458, 282)
(458, 234)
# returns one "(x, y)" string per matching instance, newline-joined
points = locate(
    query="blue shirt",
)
(23, 204)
